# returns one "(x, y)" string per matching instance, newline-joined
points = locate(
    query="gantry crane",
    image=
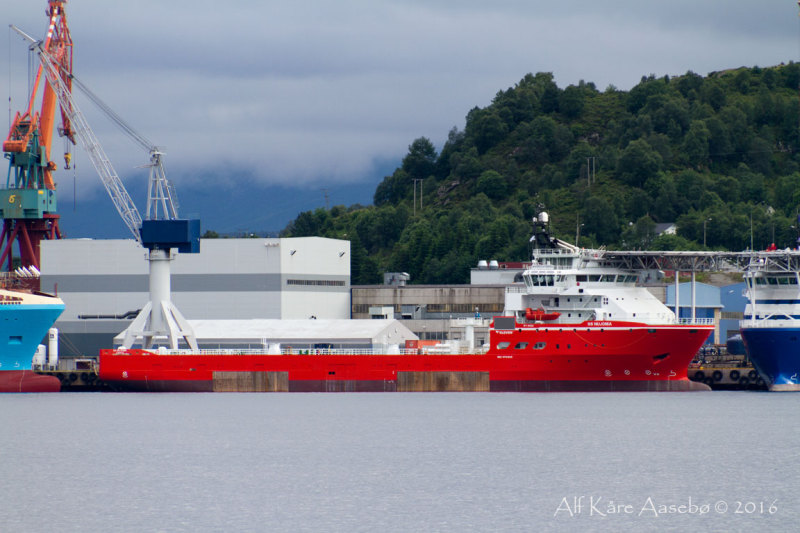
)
(28, 201)
(159, 321)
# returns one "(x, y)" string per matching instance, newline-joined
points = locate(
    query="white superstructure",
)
(573, 285)
(773, 299)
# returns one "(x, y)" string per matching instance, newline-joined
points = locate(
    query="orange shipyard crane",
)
(28, 201)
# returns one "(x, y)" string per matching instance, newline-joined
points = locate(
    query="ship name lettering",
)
(599, 323)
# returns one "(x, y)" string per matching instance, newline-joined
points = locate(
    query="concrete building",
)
(734, 301)
(707, 305)
(427, 310)
(494, 273)
(104, 283)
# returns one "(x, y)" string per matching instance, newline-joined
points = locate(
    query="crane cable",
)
(124, 126)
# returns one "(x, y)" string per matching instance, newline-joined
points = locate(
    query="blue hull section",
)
(22, 328)
(775, 352)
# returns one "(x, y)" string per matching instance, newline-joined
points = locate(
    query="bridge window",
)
(542, 280)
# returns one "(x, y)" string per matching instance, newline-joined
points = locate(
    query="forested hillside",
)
(717, 155)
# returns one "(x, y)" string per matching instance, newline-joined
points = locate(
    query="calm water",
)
(400, 462)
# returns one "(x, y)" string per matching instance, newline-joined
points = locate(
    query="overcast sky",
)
(315, 92)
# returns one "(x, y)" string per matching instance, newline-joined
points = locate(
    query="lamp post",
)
(704, 230)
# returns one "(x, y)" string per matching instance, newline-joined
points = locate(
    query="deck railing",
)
(696, 321)
(770, 323)
(423, 350)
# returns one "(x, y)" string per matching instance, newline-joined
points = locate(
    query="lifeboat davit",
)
(540, 315)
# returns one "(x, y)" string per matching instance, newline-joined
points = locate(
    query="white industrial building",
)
(104, 283)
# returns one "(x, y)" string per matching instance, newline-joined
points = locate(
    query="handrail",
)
(423, 350)
(696, 321)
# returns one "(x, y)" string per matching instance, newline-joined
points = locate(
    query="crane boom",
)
(160, 196)
(113, 184)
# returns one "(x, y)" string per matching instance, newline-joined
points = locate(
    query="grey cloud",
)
(304, 90)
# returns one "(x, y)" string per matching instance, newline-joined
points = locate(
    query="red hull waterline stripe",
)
(679, 385)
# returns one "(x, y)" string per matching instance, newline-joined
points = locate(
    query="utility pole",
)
(591, 169)
(417, 180)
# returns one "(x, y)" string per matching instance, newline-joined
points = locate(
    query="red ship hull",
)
(592, 356)
(27, 381)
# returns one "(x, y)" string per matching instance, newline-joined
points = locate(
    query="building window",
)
(431, 335)
(316, 282)
(465, 308)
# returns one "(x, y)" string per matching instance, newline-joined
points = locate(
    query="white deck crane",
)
(159, 321)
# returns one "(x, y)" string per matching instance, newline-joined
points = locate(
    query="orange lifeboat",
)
(540, 315)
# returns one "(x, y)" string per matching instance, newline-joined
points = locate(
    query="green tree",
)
(571, 102)
(600, 220)
(492, 184)
(393, 188)
(672, 242)
(420, 161)
(486, 128)
(363, 268)
(696, 144)
(638, 163)
(639, 235)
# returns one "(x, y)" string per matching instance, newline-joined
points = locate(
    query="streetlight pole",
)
(704, 231)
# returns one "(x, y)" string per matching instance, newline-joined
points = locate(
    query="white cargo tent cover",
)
(298, 333)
